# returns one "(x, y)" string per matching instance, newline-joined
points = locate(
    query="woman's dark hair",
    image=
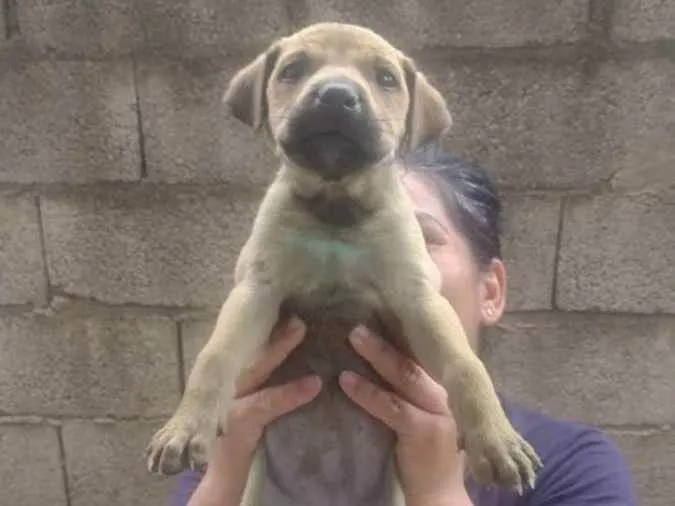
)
(468, 195)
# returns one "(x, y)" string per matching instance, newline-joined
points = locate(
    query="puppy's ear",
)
(246, 94)
(428, 115)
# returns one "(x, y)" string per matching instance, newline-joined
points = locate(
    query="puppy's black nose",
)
(339, 95)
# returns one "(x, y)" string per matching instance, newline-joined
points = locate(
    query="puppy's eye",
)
(386, 78)
(294, 70)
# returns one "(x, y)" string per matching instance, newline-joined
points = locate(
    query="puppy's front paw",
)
(497, 454)
(184, 442)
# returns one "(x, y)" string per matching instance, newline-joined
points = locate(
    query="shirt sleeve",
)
(588, 470)
(186, 484)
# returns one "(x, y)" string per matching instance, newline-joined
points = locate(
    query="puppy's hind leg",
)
(397, 497)
(252, 495)
(244, 324)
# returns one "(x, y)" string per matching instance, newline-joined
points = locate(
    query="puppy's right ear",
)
(246, 93)
(428, 115)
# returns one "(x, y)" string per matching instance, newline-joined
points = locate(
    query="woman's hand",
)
(430, 466)
(229, 464)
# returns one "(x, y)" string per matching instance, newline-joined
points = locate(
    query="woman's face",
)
(476, 292)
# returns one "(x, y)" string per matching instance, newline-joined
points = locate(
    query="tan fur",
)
(395, 274)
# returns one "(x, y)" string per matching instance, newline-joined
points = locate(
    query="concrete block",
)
(3, 27)
(553, 125)
(599, 369)
(644, 20)
(69, 122)
(31, 466)
(106, 464)
(147, 245)
(484, 23)
(76, 28)
(190, 135)
(211, 27)
(640, 123)
(615, 254)
(22, 277)
(651, 457)
(88, 366)
(529, 247)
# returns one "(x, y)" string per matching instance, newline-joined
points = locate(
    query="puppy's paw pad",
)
(503, 458)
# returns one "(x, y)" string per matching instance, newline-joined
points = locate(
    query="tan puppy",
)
(337, 243)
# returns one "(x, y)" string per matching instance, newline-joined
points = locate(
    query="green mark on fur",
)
(327, 249)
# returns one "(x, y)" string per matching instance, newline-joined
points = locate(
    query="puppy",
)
(336, 242)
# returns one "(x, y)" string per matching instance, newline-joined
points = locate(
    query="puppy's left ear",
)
(246, 94)
(428, 116)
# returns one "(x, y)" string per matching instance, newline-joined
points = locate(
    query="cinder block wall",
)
(125, 193)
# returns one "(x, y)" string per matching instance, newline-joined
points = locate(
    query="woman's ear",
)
(247, 90)
(493, 292)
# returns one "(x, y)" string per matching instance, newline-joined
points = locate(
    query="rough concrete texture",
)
(644, 20)
(211, 27)
(600, 369)
(88, 366)
(106, 465)
(552, 125)
(650, 455)
(616, 254)
(190, 135)
(148, 245)
(641, 123)
(67, 122)
(30, 468)
(75, 28)
(484, 23)
(22, 278)
(529, 248)
(3, 27)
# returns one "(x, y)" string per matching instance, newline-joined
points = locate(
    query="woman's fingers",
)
(284, 339)
(403, 417)
(230, 463)
(250, 414)
(402, 373)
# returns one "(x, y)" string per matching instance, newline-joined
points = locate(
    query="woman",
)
(459, 213)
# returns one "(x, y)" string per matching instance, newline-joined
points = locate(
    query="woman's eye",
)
(293, 71)
(386, 78)
(432, 236)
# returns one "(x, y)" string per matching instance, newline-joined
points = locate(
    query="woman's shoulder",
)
(582, 464)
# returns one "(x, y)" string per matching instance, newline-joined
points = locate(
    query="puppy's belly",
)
(329, 452)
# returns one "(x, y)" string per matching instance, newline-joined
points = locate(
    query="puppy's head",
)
(337, 99)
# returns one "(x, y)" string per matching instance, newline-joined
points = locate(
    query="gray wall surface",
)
(126, 192)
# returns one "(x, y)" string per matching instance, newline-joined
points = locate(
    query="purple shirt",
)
(582, 467)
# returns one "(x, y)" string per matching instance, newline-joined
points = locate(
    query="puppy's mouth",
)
(332, 153)
(332, 141)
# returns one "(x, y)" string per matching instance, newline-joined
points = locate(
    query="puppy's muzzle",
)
(333, 131)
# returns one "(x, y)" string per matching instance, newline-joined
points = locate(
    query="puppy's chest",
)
(315, 263)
